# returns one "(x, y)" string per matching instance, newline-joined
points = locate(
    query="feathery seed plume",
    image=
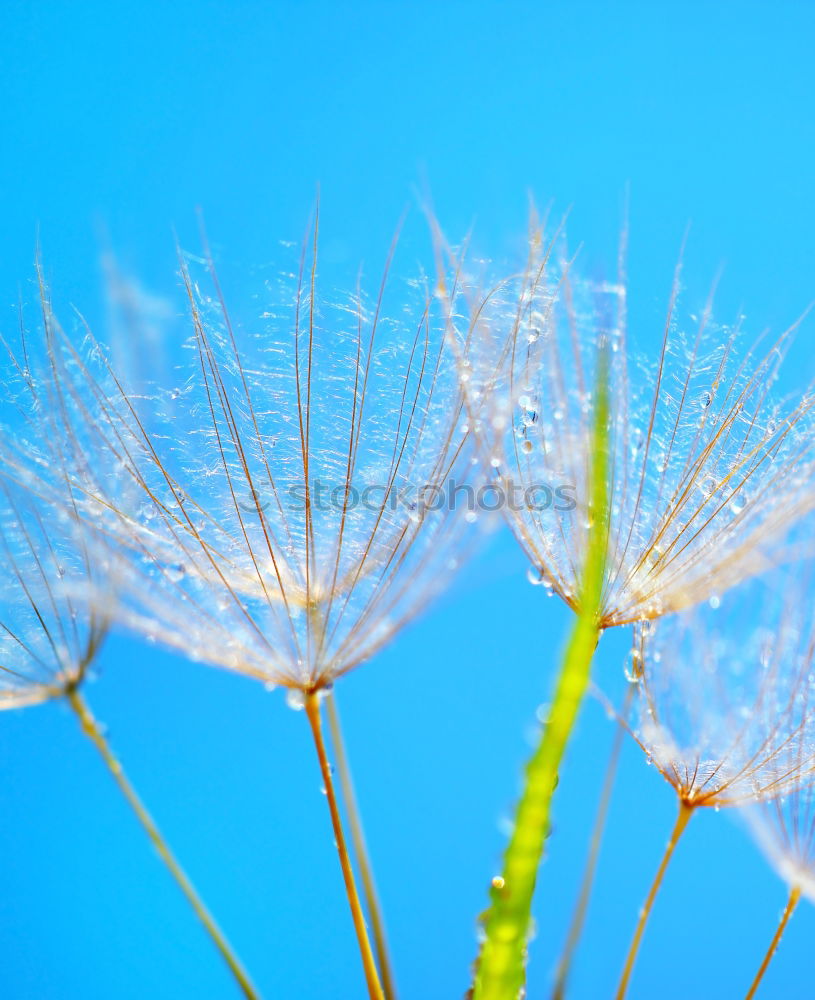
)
(707, 470)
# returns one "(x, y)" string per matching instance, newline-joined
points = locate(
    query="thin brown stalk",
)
(582, 904)
(93, 731)
(361, 855)
(792, 902)
(685, 813)
(312, 707)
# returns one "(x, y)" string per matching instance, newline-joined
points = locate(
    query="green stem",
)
(792, 902)
(582, 905)
(94, 732)
(500, 969)
(501, 973)
(361, 851)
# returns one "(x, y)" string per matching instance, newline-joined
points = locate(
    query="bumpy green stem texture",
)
(500, 973)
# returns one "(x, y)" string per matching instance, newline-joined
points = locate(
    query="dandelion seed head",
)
(784, 830)
(280, 509)
(47, 639)
(707, 472)
(725, 710)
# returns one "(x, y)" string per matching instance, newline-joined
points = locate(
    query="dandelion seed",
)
(725, 714)
(46, 645)
(724, 726)
(293, 567)
(49, 637)
(670, 536)
(706, 472)
(296, 484)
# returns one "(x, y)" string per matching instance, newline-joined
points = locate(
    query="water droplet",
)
(705, 400)
(633, 674)
(526, 447)
(175, 574)
(295, 699)
(147, 511)
(715, 602)
(542, 713)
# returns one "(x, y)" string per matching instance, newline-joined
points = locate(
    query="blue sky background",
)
(118, 120)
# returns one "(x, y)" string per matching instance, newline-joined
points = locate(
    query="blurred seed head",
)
(727, 695)
(784, 829)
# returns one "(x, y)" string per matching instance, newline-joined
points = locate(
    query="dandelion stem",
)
(361, 851)
(93, 731)
(685, 813)
(582, 904)
(500, 972)
(792, 902)
(312, 707)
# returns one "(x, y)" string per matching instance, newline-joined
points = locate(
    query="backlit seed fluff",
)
(48, 636)
(707, 471)
(784, 829)
(725, 696)
(280, 508)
